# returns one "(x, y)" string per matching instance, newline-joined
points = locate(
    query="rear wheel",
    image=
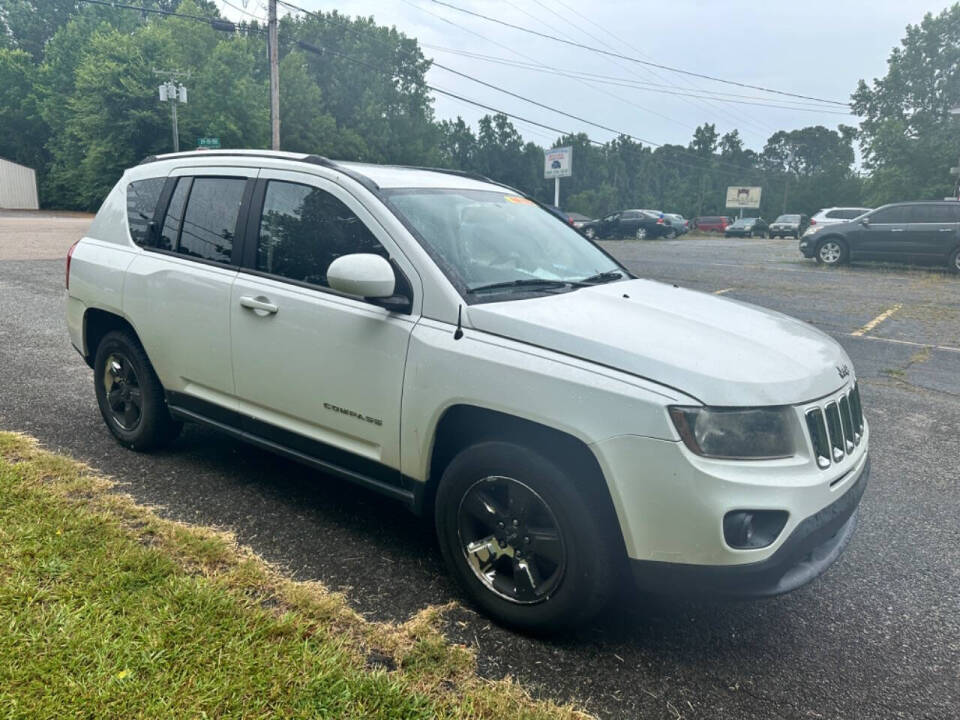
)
(521, 539)
(130, 395)
(955, 261)
(641, 233)
(590, 233)
(831, 252)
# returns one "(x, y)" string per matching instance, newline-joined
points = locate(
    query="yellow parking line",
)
(876, 321)
(723, 292)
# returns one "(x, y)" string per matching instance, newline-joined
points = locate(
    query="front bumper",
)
(811, 548)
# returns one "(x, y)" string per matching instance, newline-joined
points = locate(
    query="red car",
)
(713, 223)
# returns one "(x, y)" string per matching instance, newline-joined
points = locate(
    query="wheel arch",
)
(463, 425)
(96, 324)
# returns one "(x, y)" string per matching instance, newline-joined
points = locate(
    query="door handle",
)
(897, 229)
(946, 229)
(259, 304)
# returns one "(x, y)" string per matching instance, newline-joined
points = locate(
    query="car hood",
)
(721, 351)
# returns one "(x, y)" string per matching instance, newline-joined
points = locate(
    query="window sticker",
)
(517, 200)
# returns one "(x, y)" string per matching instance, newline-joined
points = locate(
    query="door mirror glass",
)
(363, 274)
(865, 221)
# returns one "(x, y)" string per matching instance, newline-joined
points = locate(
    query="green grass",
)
(109, 611)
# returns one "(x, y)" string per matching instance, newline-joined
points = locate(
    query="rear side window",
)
(897, 214)
(210, 221)
(934, 214)
(174, 218)
(142, 197)
(303, 229)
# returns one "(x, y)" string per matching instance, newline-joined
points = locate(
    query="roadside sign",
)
(955, 171)
(743, 197)
(558, 163)
(208, 143)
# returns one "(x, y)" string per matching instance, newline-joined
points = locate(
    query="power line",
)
(582, 46)
(244, 11)
(217, 23)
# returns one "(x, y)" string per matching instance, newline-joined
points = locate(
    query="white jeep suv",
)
(442, 339)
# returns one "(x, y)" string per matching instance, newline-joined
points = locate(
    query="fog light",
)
(749, 529)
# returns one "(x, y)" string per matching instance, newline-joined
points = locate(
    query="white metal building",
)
(18, 187)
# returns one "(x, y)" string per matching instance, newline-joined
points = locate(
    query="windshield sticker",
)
(517, 200)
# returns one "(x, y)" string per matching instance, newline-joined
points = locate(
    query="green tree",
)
(907, 135)
(24, 130)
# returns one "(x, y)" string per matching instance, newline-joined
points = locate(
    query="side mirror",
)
(865, 222)
(362, 274)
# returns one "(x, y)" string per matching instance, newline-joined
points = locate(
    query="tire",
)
(831, 252)
(954, 263)
(671, 234)
(122, 378)
(590, 234)
(567, 577)
(641, 233)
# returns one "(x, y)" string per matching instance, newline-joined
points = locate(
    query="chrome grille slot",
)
(846, 420)
(857, 409)
(818, 436)
(836, 431)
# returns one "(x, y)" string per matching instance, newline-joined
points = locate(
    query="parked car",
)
(558, 421)
(922, 232)
(554, 210)
(578, 220)
(835, 215)
(678, 223)
(640, 224)
(712, 223)
(789, 225)
(747, 227)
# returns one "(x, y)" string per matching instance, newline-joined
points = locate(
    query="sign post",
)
(743, 197)
(557, 163)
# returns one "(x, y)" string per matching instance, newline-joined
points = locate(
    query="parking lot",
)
(877, 637)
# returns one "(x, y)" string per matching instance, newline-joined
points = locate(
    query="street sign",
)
(208, 143)
(955, 171)
(743, 197)
(558, 163)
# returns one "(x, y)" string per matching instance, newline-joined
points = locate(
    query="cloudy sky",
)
(815, 48)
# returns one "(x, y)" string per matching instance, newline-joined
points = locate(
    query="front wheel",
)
(130, 395)
(671, 234)
(831, 252)
(955, 261)
(524, 543)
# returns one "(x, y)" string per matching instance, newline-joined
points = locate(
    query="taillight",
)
(812, 221)
(69, 258)
(659, 221)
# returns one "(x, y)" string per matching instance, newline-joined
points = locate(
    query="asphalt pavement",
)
(878, 636)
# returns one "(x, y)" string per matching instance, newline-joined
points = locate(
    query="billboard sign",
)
(558, 163)
(743, 197)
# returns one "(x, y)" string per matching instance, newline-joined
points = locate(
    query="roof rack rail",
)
(460, 173)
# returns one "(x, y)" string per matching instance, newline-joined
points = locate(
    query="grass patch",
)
(109, 611)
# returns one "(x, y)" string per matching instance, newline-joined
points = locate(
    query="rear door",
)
(886, 235)
(933, 233)
(177, 292)
(318, 371)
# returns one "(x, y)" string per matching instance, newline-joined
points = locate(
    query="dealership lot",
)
(877, 637)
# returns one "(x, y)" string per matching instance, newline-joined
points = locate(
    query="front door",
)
(886, 235)
(316, 370)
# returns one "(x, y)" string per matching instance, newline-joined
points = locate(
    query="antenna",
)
(458, 333)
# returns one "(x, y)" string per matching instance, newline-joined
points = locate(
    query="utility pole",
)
(786, 183)
(274, 76)
(175, 93)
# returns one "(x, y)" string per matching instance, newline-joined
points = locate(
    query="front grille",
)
(836, 428)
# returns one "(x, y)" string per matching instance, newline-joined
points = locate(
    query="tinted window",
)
(142, 197)
(896, 214)
(303, 229)
(211, 218)
(934, 214)
(631, 215)
(174, 217)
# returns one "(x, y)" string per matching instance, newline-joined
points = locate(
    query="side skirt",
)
(320, 456)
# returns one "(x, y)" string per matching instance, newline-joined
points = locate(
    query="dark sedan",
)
(921, 232)
(747, 227)
(789, 226)
(639, 224)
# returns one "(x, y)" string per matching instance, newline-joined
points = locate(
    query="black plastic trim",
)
(812, 547)
(361, 471)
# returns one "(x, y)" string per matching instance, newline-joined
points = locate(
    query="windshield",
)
(788, 219)
(744, 221)
(483, 238)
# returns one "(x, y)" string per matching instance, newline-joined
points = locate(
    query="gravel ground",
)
(878, 636)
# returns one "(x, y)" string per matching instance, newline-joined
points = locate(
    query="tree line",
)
(78, 102)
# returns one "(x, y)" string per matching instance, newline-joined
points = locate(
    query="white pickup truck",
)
(443, 339)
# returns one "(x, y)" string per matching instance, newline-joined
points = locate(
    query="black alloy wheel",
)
(511, 540)
(122, 389)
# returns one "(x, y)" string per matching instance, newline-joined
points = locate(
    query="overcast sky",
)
(818, 48)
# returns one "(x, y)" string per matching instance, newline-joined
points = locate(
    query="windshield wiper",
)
(604, 277)
(522, 282)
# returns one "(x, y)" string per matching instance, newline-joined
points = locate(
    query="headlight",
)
(736, 433)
